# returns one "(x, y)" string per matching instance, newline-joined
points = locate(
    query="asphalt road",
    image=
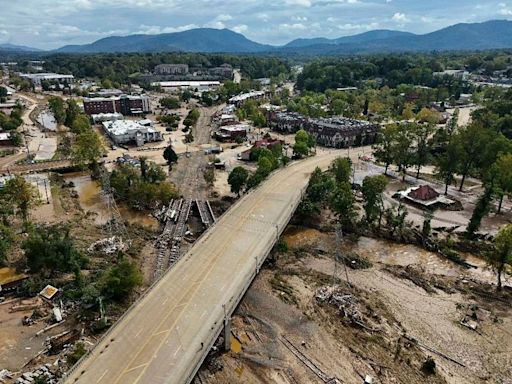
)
(165, 336)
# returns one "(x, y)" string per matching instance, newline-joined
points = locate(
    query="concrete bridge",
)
(166, 335)
(43, 166)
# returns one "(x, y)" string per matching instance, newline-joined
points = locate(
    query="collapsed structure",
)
(336, 131)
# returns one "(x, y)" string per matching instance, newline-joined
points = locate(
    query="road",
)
(166, 335)
(188, 173)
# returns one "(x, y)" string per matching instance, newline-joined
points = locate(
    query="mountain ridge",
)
(493, 34)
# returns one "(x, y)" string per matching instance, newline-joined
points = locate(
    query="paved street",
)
(167, 334)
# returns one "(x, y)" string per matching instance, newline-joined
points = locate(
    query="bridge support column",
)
(227, 334)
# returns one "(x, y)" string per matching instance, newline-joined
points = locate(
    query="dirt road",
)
(187, 175)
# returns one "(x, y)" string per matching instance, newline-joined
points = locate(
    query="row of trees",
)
(392, 70)
(124, 68)
(88, 146)
(332, 189)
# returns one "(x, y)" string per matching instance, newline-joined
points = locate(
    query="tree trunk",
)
(462, 181)
(500, 203)
(386, 169)
(446, 188)
(418, 173)
(404, 174)
(500, 268)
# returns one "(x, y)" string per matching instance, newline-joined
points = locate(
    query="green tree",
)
(120, 281)
(237, 179)
(483, 204)
(408, 113)
(426, 115)
(343, 202)
(170, 102)
(383, 150)
(186, 95)
(21, 194)
(300, 149)
(72, 112)
(87, 149)
(51, 249)
(80, 124)
(6, 241)
(504, 169)
(421, 136)
(107, 84)
(169, 155)
(447, 162)
(342, 169)
(402, 150)
(501, 255)
(320, 187)
(473, 141)
(373, 188)
(56, 105)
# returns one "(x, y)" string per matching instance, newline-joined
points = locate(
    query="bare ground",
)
(410, 305)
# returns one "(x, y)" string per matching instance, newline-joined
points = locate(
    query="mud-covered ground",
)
(301, 322)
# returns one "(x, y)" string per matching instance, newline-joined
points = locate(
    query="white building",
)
(129, 131)
(101, 117)
(38, 78)
(200, 85)
(253, 95)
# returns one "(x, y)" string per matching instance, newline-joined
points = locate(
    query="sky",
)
(49, 24)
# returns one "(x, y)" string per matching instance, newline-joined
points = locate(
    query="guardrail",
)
(234, 303)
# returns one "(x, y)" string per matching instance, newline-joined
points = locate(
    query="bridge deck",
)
(166, 335)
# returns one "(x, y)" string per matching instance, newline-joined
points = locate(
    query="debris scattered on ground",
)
(355, 261)
(347, 304)
(108, 245)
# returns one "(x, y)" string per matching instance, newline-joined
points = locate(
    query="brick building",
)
(125, 105)
(336, 131)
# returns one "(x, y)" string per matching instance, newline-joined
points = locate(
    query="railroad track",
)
(205, 212)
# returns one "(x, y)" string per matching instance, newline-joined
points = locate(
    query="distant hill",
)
(365, 37)
(193, 40)
(476, 36)
(17, 48)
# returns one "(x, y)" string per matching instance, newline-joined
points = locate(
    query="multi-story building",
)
(336, 131)
(171, 69)
(232, 132)
(126, 105)
(38, 78)
(129, 131)
(225, 70)
(242, 98)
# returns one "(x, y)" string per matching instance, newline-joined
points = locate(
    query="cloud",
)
(400, 18)
(240, 28)
(53, 23)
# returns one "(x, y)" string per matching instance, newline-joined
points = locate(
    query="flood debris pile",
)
(350, 308)
(355, 261)
(108, 246)
(44, 374)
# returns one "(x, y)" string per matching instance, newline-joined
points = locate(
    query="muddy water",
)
(385, 252)
(91, 200)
